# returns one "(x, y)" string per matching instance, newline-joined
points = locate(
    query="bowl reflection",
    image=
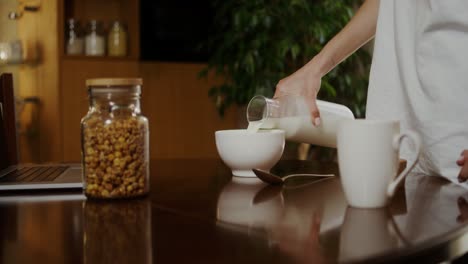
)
(249, 202)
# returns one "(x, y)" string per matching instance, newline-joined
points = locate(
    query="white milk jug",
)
(291, 114)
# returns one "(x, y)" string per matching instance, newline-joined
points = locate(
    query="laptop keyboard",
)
(34, 174)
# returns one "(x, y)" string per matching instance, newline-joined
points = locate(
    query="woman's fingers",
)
(314, 111)
(463, 208)
(280, 88)
(463, 175)
(462, 158)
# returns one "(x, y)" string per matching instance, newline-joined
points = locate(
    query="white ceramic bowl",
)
(243, 151)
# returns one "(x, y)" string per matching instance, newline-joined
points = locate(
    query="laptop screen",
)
(8, 146)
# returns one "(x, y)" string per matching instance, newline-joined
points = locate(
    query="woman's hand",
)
(301, 249)
(305, 83)
(463, 208)
(463, 163)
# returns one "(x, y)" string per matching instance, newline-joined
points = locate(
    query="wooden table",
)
(198, 213)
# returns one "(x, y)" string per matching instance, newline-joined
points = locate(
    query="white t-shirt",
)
(419, 75)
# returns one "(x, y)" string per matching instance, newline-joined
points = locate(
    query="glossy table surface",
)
(198, 213)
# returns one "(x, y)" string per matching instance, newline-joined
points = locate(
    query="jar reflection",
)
(117, 232)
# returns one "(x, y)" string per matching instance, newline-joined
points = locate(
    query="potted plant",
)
(258, 42)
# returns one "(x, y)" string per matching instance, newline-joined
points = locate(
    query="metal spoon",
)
(271, 178)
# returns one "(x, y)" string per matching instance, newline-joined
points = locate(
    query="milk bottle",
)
(291, 114)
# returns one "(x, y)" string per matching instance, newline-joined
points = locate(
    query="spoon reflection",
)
(271, 178)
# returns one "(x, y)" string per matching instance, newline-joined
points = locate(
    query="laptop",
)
(14, 176)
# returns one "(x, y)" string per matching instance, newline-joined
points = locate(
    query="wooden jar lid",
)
(106, 82)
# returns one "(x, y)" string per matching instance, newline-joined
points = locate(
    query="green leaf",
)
(254, 21)
(295, 49)
(267, 21)
(249, 63)
(203, 73)
(328, 88)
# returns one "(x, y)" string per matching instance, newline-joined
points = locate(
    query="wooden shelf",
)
(97, 58)
(28, 62)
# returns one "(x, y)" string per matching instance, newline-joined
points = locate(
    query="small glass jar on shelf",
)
(74, 37)
(95, 43)
(117, 40)
(115, 140)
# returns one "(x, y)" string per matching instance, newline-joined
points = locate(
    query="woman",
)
(419, 75)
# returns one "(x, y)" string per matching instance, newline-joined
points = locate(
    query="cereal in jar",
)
(115, 140)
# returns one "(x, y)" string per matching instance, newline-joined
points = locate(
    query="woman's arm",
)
(354, 35)
(306, 81)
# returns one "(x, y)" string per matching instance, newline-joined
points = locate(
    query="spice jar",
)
(75, 43)
(115, 140)
(94, 41)
(117, 40)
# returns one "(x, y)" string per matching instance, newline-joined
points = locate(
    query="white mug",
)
(368, 157)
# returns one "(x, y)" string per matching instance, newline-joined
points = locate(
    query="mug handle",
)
(411, 135)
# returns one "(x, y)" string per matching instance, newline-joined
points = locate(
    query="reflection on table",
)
(118, 231)
(197, 212)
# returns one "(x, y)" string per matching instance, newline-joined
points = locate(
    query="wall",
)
(39, 78)
(181, 115)
(183, 118)
(8, 32)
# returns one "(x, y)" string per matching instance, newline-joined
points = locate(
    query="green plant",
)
(258, 42)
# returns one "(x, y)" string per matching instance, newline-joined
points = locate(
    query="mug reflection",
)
(366, 232)
(303, 247)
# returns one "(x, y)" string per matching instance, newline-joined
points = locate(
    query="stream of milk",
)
(254, 127)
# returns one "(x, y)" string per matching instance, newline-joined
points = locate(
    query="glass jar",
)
(117, 40)
(291, 114)
(115, 140)
(94, 41)
(75, 43)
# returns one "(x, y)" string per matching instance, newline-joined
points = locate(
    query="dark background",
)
(173, 30)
